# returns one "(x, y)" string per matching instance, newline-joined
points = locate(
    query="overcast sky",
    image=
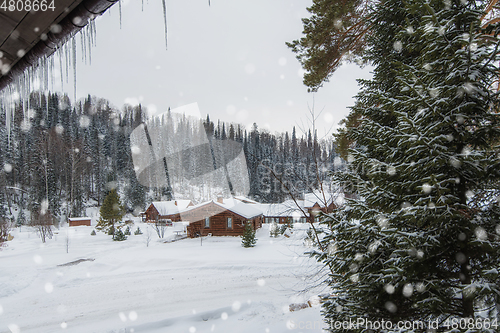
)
(230, 58)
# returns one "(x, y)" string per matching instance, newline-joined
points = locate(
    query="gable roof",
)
(242, 209)
(171, 207)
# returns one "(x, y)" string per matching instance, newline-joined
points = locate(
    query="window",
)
(229, 222)
(207, 222)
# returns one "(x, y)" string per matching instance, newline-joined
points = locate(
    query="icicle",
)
(73, 43)
(164, 3)
(60, 53)
(120, 9)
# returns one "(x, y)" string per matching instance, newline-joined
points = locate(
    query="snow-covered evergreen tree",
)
(421, 239)
(111, 212)
(248, 238)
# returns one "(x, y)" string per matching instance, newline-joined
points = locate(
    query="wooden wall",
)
(218, 221)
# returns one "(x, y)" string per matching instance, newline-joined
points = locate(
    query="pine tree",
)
(119, 236)
(421, 241)
(248, 237)
(127, 231)
(111, 212)
(138, 231)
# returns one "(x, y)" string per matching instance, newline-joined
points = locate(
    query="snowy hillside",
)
(174, 287)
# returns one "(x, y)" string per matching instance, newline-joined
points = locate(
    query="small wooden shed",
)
(77, 221)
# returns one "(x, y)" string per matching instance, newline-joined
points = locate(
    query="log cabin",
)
(166, 210)
(219, 219)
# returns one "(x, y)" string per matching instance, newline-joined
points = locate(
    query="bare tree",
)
(160, 227)
(43, 225)
(148, 235)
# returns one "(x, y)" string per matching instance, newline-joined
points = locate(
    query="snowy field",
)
(182, 286)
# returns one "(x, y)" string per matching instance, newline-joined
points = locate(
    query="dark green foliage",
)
(138, 231)
(93, 233)
(282, 229)
(127, 231)
(111, 211)
(420, 241)
(21, 218)
(248, 237)
(119, 236)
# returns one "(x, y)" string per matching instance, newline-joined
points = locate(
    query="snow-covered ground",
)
(182, 286)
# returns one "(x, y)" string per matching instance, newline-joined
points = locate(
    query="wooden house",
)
(77, 221)
(219, 219)
(166, 210)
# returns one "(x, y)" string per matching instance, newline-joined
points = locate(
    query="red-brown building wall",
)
(218, 221)
(78, 223)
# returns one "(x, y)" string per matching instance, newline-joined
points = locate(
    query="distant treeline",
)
(64, 157)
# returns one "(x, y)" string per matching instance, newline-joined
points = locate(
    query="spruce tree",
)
(421, 239)
(119, 236)
(111, 212)
(248, 237)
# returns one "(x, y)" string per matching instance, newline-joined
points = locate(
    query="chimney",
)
(220, 199)
(175, 202)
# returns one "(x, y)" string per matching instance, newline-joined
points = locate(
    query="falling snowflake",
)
(132, 315)
(407, 290)
(37, 259)
(7, 167)
(59, 129)
(481, 233)
(224, 316)
(389, 288)
(427, 67)
(391, 307)
(261, 282)
(135, 149)
(382, 222)
(192, 329)
(337, 24)
(426, 188)
(391, 171)
(455, 162)
(398, 46)
(84, 121)
(332, 248)
(434, 92)
(461, 258)
(64, 325)
(410, 30)
(420, 287)
(49, 287)
(236, 306)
